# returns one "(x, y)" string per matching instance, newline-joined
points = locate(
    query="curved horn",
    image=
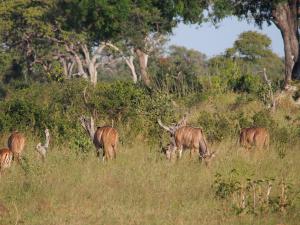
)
(163, 126)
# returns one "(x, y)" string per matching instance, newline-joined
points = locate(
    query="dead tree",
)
(42, 149)
(272, 105)
(88, 125)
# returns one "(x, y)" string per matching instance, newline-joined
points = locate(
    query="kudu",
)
(183, 136)
(254, 136)
(105, 138)
(16, 144)
(6, 156)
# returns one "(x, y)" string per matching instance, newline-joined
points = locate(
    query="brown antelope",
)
(254, 136)
(105, 138)
(183, 136)
(16, 143)
(6, 156)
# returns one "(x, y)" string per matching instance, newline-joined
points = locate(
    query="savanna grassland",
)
(64, 62)
(142, 187)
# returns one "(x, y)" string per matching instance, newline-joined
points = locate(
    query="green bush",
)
(22, 114)
(263, 119)
(245, 83)
(58, 106)
(216, 126)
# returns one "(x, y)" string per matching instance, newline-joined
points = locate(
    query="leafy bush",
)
(120, 100)
(245, 83)
(263, 119)
(59, 106)
(217, 126)
(23, 113)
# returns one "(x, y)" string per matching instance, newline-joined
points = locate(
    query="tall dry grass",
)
(140, 187)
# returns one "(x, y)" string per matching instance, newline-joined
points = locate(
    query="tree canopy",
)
(251, 45)
(46, 33)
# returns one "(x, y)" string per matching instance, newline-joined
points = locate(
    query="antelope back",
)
(16, 142)
(189, 137)
(105, 136)
(261, 137)
(258, 136)
(5, 158)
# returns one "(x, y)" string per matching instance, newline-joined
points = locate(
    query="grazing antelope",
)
(6, 156)
(16, 143)
(105, 137)
(183, 136)
(254, 136)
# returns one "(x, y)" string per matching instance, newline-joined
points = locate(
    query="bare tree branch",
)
(42, 149)
(88, 125)
(128, 59)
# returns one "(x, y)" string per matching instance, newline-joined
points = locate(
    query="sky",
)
(213, 41)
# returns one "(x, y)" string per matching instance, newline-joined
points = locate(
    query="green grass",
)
(140, 187)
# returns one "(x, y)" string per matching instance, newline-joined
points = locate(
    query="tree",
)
(177, 70)
(132, 24)
(23, 28)
(252, 51)
(283, 13)
(41, 34)
(251, 45)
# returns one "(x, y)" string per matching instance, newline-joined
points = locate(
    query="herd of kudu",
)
(182, 136)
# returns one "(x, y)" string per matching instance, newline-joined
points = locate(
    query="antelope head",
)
(208, 157)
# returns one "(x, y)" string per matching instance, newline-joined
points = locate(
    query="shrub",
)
(23, 114)
(245, 83)
(216, 126)
(263, 119)
(254, 196)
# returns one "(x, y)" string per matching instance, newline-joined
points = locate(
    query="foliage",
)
(255, 196)
(24, 26)
(178, 72)
(263, 119)
(129, 21)
(59, 106)
(217, 126)
(251, 45)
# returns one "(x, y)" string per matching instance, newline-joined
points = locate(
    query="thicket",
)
(133, 109)
(180, 81)
(58, 106)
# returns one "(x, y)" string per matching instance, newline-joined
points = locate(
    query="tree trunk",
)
(91, 63)
(143, 61)
(81, 71)
(286, 19)
(65, 66)
(78, 61)
(93, 73)
(128, 60)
